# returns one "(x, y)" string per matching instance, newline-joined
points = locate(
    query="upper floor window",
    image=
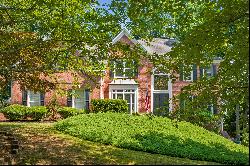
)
(122, 69)
(208, 72)
(160, 80)
(187, 75)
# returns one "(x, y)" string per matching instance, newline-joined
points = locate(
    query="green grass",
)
(41, 144)
(155, 135)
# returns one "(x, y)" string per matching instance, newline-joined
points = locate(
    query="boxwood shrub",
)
(14, 112)
(36, 112)
(66, 112)
(109, 105)
(155, 135)
(20, 112)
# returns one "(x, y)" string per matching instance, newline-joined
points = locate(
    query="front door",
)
(160, 103)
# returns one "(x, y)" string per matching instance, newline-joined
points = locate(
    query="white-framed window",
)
(208, 71)
(122, 69)
(188, 76)
(80, 99)
(161, 92)
(126, 94)
(33, 99)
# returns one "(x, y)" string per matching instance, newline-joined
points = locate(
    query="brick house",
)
(116, 85)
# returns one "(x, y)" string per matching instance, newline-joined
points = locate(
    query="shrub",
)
(66, 112)
(14, 112)
(36, 112)
(109, 105)
(20, 112)
(155, 135)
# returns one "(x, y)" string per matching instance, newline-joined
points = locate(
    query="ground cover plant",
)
(41, 144)
(155, 135)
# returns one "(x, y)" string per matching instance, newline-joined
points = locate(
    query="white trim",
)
(84, 98)
(169, 91)
(28, 98)
(123, 87)
(125, 32)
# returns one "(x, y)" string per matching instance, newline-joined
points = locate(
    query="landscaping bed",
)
(155, 135)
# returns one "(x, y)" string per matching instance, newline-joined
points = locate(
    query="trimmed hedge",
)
(155, 135)
(66, 112)
(14, 112)
(20, 112)
(36, 112)
(109, 105)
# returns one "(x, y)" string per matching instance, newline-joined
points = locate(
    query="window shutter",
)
(87, 92)
(42, 99)
(111, 69)
(201, 72)
(69, 99)
(214, 69)
(136, 67)
(181, 73)
(215, 109)
(24, 97)
(194, 72)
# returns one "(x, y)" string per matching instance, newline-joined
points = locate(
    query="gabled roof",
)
(157, 45)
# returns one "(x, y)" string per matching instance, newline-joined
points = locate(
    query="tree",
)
(40, 39)
(204, 30)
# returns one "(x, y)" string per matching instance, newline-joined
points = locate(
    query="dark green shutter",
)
(42, 99)
(181, 73)
(215, 109)
(111, 69)
(87, 92)
(194, 72)
(24, 97)
(214, 69)
(201, 72)
(136, 68)
(69, 98)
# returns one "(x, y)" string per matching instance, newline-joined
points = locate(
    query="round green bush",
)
(36, 112)
(66, 112)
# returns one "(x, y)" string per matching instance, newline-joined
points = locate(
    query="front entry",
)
(127, 93)
(160, 103)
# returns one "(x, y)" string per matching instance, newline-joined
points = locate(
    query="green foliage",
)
(20, 112)
(155, 135)
(109, 105)
(14, 112)
(66, 112)
(245, 139)
(36, 112)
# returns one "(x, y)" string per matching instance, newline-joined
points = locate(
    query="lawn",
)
(41, 144)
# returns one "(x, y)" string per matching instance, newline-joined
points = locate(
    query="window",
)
(160, 90)
(34, 99)
(78, 99)
(208, 72)
(123, 69)
(160, 81)
(188, 76)
(125, 94)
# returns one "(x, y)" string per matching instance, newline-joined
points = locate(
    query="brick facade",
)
(102, 89)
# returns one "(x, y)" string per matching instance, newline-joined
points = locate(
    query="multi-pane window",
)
(78, 99)
(160, 93)
(160, 81)
(125, 94)
(34, 98)
(123, 69)
(188, 76)
(208, 71)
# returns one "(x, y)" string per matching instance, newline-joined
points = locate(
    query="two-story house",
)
(116, 85)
